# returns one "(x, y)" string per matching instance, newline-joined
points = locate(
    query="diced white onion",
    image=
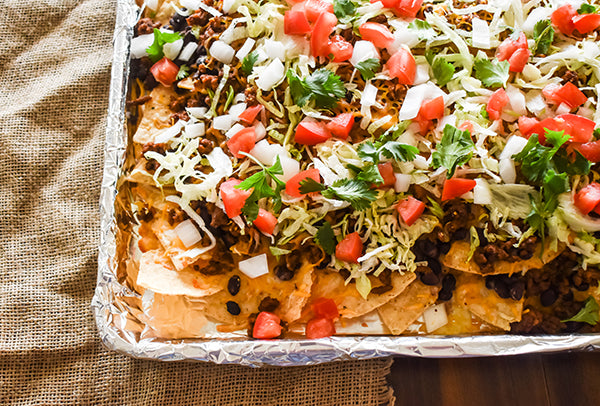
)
(481, 192)
(535, 102)
(260, 131)
(516, 100)
(188, 233)
(239, 98)
(222, 52)
(171, 49)
(223, 123)
(255, 266)
(369, 95)
(435, 317)
(420, 162)
(403, 36)
(228, 5)
(514, 145)
(140, 44)
(590, 49)
(422, 74)
(563, 108)
(234, 130)
(274, 49)
(535, 15)
(481, 34)
(190, 4)
(363, 50)
(188, 51)
(169, 133)
(507, 171)
(402, 182)
(245, 49)
(197, 112)
(271, 75)
(209, 9)
(195, 130)
(237, 109)
(151, 4)
(414, 98)
(266, 153)
(290, 167)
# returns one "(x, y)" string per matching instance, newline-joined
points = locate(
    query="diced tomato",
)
(350, 248)
(292, 186)
(295, 22)
(588, 198)
(424, 124)
(497, 102)
(265, 221)
(340, 49)
(319, 41)
(549, 92)
(249, 115)
(233, 199)
(586, 23)
(509, 46)
(570, 95)
(402, 66)
(165, 71)
(562, 18)
(377, 33)
(456, 187)
(589, 150)
(580, 129)
(387, 173)
(341, 125)
(267, 325)
(314, 8)
(410, 209)
(323, 307)
(311, 133)
(529, 126)
(518, 60)
(466, 126)
(387, 3)
(408, 8)
(242, 141)
(432, 109)
(320, 328)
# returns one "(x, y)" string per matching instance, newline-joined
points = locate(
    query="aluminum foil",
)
(114, 317)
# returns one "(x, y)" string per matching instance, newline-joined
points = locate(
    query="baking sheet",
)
(119, 328)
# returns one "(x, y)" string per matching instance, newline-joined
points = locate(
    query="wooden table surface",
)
(571, 379)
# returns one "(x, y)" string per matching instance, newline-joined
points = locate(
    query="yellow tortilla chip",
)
(404, 309)
(156, 115)
(457, 256)
(485, 303)
(331, 284)
(158, 274)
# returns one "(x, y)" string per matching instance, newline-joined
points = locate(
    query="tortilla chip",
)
(157, 274)
(405, 309)
(157, 115)
(485, 303)
(331, 284)
(457, 256)
(140, 175)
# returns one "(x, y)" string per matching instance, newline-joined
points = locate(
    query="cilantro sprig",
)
(323, 87)
(543, 34)
(455, 149)
(325, 238)
(344, 10)
(589, 313)
(184, 72)
(423, 29)
(492, 74)
(260, 184)
(155, 51)
(368, 67)
(442, 69)
(372, 151)
(354, 191)
(587, 9)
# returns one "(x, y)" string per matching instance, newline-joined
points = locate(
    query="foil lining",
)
(119, 328)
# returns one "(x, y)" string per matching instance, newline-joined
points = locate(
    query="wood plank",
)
(573, 379)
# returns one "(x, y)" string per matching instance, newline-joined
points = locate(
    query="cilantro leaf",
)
(564, 163)
(589, 313)
(155, 51)
(261, 188)
(371, 152)
(536, 159)
(323, 87)
(368, 152)
(368, 67)
(325, 238)
(587, 9)
(248, 62)
(355, 191)
(543, 34)
(422, 29)
(491, 74)
(455, 149)
(184, 72)
(344, 10)
(442, 70)
(370, 174)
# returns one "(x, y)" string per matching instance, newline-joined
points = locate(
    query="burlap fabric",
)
(54, 76)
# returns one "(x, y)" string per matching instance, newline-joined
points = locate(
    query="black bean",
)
(490, 282)
(502, 289)
(460, 234)
(178, 22)
(435, 265)
(233, 308)
(445, 295)
(430, 278)
(548, 297)
(430, 249)
(444, 247)
(583, 286)
(517, 290)
(283, 273)
(268, 304)
(449, 282)
(233, 286)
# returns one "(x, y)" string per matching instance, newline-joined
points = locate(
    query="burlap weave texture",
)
(54, 76)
